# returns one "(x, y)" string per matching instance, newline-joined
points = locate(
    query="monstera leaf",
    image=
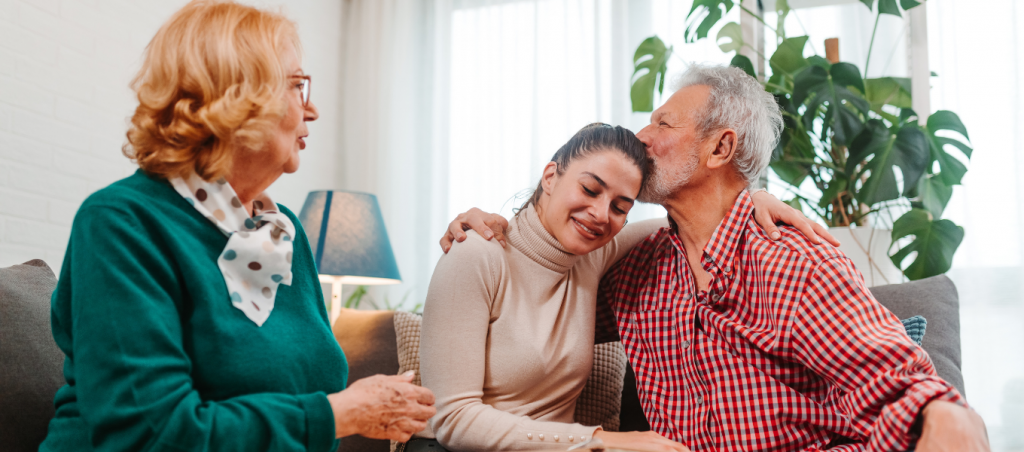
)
(893, 91)
(789, 57)
(793, 156)
(831, 88)
(652, 56)
(734, 33)
(889, 6)
(951, 170)
(935, 241)
(744, 63)
(907, 149)
(700, 24)
(933, 194)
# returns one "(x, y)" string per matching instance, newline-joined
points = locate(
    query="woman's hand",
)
(639, 440)
(768, 210)
(488, 225)
(951, 427)
(382, 407)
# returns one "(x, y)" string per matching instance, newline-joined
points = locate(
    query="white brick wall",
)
(65, 66)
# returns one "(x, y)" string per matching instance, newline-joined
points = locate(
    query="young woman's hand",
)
(768, 210)
(488, 225)
(382, 407)
(639, 440)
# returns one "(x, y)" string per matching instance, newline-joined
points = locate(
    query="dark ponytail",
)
(597, 137)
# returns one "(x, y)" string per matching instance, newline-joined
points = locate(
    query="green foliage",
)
(744, 63)
(703, 15)
(889, 6)
(360, 295)
(934, 241)
(857, 140)
(652, 56)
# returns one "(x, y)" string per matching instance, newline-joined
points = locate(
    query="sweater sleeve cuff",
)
(319, 421)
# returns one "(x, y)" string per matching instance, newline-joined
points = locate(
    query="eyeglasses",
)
(304, 88)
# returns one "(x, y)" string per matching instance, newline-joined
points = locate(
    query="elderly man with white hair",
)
(741, 342)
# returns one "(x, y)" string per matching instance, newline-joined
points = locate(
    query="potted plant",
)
(847, 135)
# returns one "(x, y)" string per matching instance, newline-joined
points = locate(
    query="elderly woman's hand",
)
(382, 407)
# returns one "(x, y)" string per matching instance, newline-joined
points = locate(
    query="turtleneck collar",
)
(527, 234)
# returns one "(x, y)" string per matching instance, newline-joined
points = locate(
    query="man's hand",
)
(768, 210)
(951, 427)
(488, 225)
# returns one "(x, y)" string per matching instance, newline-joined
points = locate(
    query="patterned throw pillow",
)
(915, 328)
(600, 402)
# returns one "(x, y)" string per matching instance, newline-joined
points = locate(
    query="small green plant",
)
(857, 140)
(358, 296)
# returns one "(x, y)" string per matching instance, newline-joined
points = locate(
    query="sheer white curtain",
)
(978, 54)
(392, 127)
(525, 76)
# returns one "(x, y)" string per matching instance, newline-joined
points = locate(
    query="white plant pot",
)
(868, 248)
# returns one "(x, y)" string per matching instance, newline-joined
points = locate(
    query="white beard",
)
(666, 180)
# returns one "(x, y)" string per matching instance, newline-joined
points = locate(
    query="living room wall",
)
(65, 66)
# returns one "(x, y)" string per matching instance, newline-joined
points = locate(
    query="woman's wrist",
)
(342, 408)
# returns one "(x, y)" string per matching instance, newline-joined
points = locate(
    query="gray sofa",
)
(31, 364)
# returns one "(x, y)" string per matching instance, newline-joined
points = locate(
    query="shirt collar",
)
(721, 249)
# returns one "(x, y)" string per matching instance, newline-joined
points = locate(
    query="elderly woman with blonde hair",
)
(188, 305)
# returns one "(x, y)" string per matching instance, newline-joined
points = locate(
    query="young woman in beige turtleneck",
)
(508, 332)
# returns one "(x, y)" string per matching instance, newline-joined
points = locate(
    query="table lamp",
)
(349, 242)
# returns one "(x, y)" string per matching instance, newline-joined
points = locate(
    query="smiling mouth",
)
(586, 229)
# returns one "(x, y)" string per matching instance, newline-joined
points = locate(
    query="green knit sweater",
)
(159, 359)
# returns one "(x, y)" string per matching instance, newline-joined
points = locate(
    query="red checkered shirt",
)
(786, 350)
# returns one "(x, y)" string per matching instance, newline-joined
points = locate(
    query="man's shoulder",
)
(793, 246)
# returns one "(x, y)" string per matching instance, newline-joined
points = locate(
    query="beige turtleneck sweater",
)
(508, 337)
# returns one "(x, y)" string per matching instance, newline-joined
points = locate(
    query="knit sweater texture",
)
(157, 358)
(508, 337)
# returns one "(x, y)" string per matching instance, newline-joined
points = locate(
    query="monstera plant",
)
(856, 140)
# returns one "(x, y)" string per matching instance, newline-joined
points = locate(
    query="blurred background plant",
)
(360, 295)
(870, 159)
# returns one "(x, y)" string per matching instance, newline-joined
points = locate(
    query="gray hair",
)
(739, 102)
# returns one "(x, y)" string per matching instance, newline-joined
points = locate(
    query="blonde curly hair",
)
(212, 79)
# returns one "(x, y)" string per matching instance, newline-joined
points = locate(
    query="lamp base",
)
(334, 307)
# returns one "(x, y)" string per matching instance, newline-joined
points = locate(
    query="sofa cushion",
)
(368, 340)
(32, 365)
(935, 299)
(600, 402)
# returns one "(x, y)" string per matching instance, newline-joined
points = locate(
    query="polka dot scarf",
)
(258, 256)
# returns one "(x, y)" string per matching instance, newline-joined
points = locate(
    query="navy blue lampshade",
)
(347, 234)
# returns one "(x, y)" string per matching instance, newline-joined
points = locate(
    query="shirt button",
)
(570, 438)
(540, 436)
(556, 438)
(700, 399)
(686, 344)
(529, 436)
(728, 269)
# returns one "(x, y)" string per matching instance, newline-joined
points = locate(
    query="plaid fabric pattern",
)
(786, 350)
